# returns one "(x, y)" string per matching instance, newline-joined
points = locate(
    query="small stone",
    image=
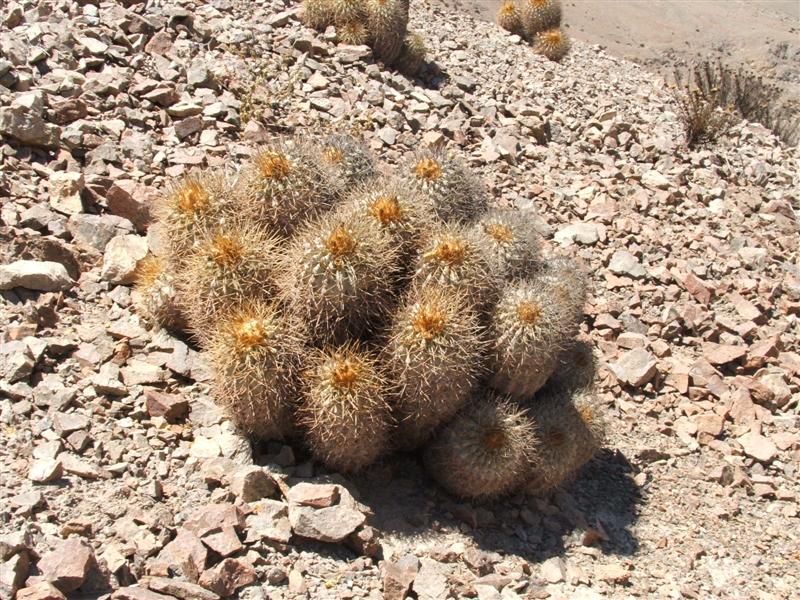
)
(365, 541)
(252, 483)
(43, 276)
(398, 577)
(184, 590)
(554, 570)
(721, 354)
(625, 263)
(186, 555)
(224, 542)
(121, 258)
(130, 200)
(613, 573)
(139, 372)
(214, 516)
(138, 593)
(46, 470)
(16, 361)
(759, 447)
(636, 367)
(296, 583)
(269, 520)
(203, 447)
(44, 590)
(184, 109)
(431, 581)
(68, 565)
(314, 494)
(331, 524)
(228, 576)
(65, 192)
(173, 407)
(581, 233)
(74, 465)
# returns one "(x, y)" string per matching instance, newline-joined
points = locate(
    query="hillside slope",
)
(119, 474)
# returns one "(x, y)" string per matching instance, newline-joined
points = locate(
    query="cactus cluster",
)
(380, 24)
(360, 314)
(539, 23)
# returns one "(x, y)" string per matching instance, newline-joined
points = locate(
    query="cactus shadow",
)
(597, 508)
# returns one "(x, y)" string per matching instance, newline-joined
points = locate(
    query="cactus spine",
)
(254, 352)
(553, 43)
(156, 296)
(511, 242)
(387, 21)
(485, 451)
(318, 14)
(346, 159)
(508, 17)
(345, 411)
(540, 15)
(412, 55)
(434, 355)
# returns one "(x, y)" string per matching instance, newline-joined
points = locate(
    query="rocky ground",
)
(120, 479)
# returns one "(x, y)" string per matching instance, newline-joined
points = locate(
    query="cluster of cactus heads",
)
(539, 23)
(379, 24)
(360, 313)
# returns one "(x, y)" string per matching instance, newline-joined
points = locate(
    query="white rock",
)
(122, 255)
(44, 276)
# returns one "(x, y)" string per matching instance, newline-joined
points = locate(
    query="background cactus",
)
(318, 14)
(412, 55)
(254, 353)
(485, 451)
(552, 43)
(347, 11)
(539, 15)
(345, 411)
(366, 312)
(354, 33)
(508, 17)
(434, 357)
(387, 22)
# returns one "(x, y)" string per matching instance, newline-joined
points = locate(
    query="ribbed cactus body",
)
(485, 451)
(347, 11)
(228, 264)
(552, 43)
(386, 20)
(571, 429)
(345, 412)
(452, 257)
(412, 55)
(282, 186)
(456, 193)
(318, 14)
(509, 18)
(539, 15)
(156, 296)
(529, 329)
(254, 353)
(346, 159)
(434, 358)
(511, 242)
(354, 33)
(337, 274)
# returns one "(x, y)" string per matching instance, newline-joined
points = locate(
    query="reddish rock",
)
(138, 593)
(172, 407)
(757, 446)
(224, 542)
(67, 566)
(332, 524)
(398, 577)
(312, 494)
(636, 367)
(228, 576)
(186, 554)
(179, 589)
(746, 309)
(722, 354)
(696, 288)
(214, 516)
(43, 590)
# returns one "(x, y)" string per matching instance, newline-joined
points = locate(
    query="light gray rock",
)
(45, 470)
(625, 263)
(24, 121)
(121, 257)
(332, 524)
(581, 233)
(43, 276)
(636, 367)
(16, 361)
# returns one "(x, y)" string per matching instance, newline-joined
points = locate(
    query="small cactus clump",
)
(457, 195)
(485, 451)
(229, 263)
(345, 411)
(361, 313)
(511, 242)
(380, 24)
(434, 354)
(156, 296)
(337, 275)
(254, 351)
(508, 17)
(553, 43)
(540, 15)
(283, 186)
(453, 257)
(571, 429)
(529, 328)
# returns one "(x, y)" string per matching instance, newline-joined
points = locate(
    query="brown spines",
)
(254, 353)
(552, 43)
(434, 356)
(485, 451)
(345, 412)
(508, 17)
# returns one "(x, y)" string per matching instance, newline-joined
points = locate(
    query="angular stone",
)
(721, 354)
(331, 524)
(173, 407)
(68, 565)
(130, 200)
(179, 589)
(268, 520)
(46, 470)
(554, 570)
(95, 231)
(65, 192)
(16, 361)
(636, 367)
(44, 590)
(214, 516)
(76, 466)
(43, 276)
(185, 554)
(314, 494)
(13, 573)
(228, 576)
(398, 577)
(431, 581)
(581, 233)
(66, 423)
(624, 263)
(27, 125)
(759, 447)
(224, 542)
(138, 593)
(252, 483)
(121, 258)
(139, 372)
(613, 573)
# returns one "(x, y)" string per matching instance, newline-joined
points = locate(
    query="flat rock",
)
(28, 126)
(45, 470)
(624, 263)
(68, 565)
(398, 577)
(431, 581)
(721, 354)
(758, 446)
(122, 255)
(580, 233)
(314, 494)
(177, 588)
(185, 554)
(268, 520)
(138, 593)
(44, 590)
(251, 483)
(636, 367)
(43, 276)
(332, 524)
(228, 576)
(173, 407)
